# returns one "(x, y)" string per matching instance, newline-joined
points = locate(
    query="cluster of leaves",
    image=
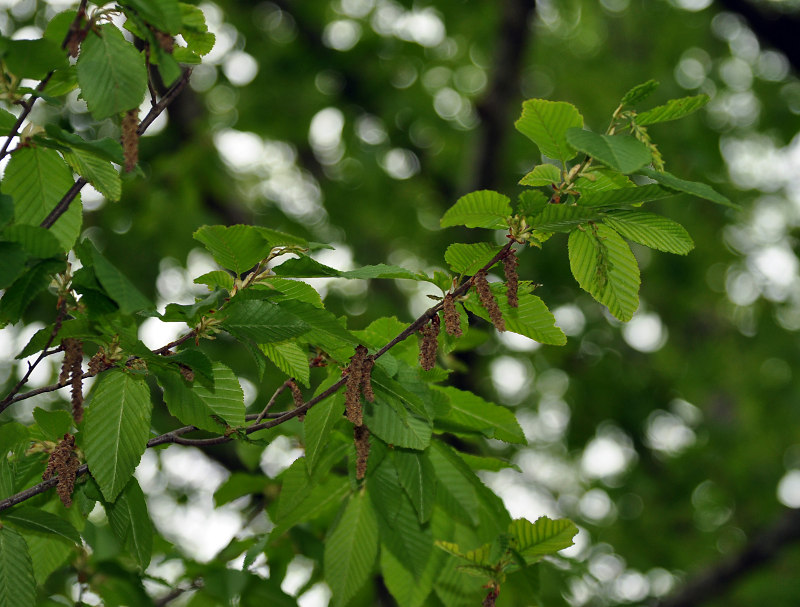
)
(378, 489)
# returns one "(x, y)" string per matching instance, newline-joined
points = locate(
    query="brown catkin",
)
(64, 463)
(452, 321)
(361, 440)
(488, 301)
(186, 373)
(428, 345)
(130, 139)
(297, 396)
(366, 379)
(165, 41)
(510, 263)
(352, 395)
(71, 370)
(98, 362)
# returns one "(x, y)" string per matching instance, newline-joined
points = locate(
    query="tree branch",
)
(717, 580)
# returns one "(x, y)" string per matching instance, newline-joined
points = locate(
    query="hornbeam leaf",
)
(289, 358)
(116, 429)
(236, 248)
(117, 285)
(351, 549)
(131, 525)
(639, 92)
(602, 263)
(545, 536)
(204, 407)
(469, 258)
(546, 123)
(481, 209)
(36, 178)
(261, 321)
(43, 522)
(544, 174)
(17, 584)
(651, 230)
(620, 152)
(470, 412)
(100, 173)
(672, 110)
(111, 73)
(701, 190)
(418, 480)
(622, 197)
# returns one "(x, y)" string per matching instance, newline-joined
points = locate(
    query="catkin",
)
(428, 345)
(352, 398)
(366, 379)
(130, 139)
(64, 463)
(510, 263)
(452, 322)
(71, 370)
(297, 396)
(361, 440)
(488, 301)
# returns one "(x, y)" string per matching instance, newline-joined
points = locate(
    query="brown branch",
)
(718, 579)
(176, 592)
(272, 400)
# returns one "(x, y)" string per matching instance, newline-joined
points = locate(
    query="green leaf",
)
(105, 148)
(604, 266)
(14, 258)
(217, 279)
(454, 491)
(48, 553)
(62, 81)
(277, 238)
(672, 110)
(562, 217)
(7, 122)
(651, 230)
(546, 123)
(33, 58)
(481, 209)
(541, 175)
(22, 292)
(129, 299)
(236, 248)
(407, 538)
(531, 318)
(129, 521)
(165, 15)
(318, 425)
(208, 408)
(621, 197)
(409, 589)
(53, 424)
(289, 358)
(639, 92)
(321, 498)
(37, 178)
(195, 31)
(261, 321)
(701, 190)
(418, 480)
(600, 179)
(36, 241)
(545, 536)
(620, 152)
(531, 202)
(111, 73)
(17, 584)
(351, 549)
(469, 258)
(116, 429)
(380, 270)
(390, 421)
(291, 289)
(240, 484)
(41, 521)
(306, 267)
(469, 411)
(100, 173)
(492, 464)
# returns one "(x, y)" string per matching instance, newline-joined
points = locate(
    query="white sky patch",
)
(155, 333)
(370, 129)
(518, 343)
(240, 68)
(242, 151)
(631, 586)
(570, 319)
(342, 34)
(298, 572)
(645, 332)
(607, 455)
(325, 135)
(423, 26)
(279, 455)
(159, 124)
(789, 489)
(521, 499)
(668, 433)
(400, 163)
(597, 506)
(318, 595)
(511, 378)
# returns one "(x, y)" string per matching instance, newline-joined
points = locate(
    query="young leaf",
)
(33, 58)
(318, 425)
(261, 321)
(105, 148)
(603, 265)
(216, 279)
(455, 493)
(469, 258)
(164, 15)
(418, 480)
(351, 549)
(622, 197)
(36, 178)
(43, 522)
(53, 424)
(100, 173)
(405, 536)
(131, 524)
(651, 230)
(546, 123)
(470, 412)
(563, 217)
(111, 73)
(116, 429)
(545, 536)
(701, 190)
(672, 110)
(619, 152)
(481, 209)
(129, 299)
(236, 248)
(543, 174)
(409, 589)
(389, 420)
(206, 408)
(36, 241)
(20, 294)
(289, 358)
(639, 92)
(17, 584)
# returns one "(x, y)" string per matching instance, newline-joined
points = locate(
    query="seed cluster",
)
(130, 139)
(64, 463)
(510, 263)
(71, 370)
(488, 301)
(452, 322)
(428, 344)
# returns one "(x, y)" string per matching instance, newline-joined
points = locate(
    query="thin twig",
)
(272, 400)
(176, 592)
